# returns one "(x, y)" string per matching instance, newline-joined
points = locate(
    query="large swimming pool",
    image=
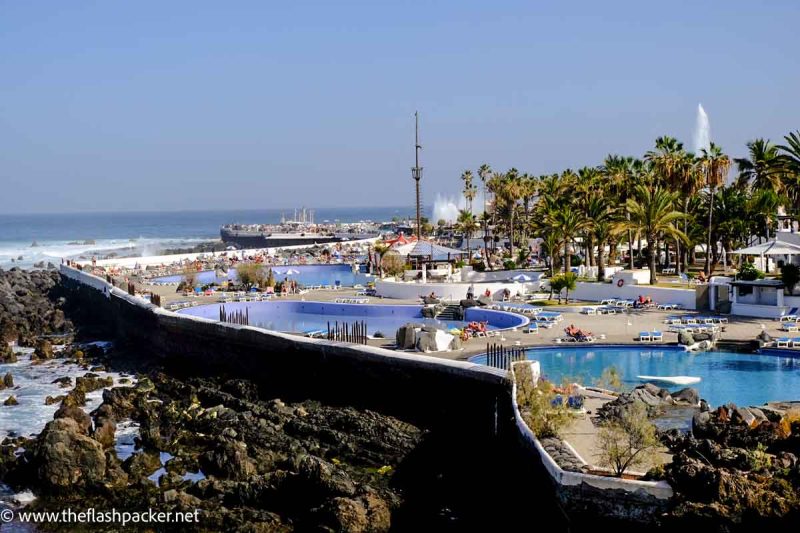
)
(305, 275)
(301, 317)
(745, 379)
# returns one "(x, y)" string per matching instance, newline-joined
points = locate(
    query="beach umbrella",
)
(522, 277)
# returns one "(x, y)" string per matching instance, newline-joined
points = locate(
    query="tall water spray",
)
(445, 209)
(702, 131)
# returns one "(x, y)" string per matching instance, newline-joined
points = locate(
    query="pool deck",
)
(618, 329)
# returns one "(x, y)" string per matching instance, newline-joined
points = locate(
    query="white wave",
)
(54, 251)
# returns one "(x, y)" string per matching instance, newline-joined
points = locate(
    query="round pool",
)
(303, 317)
(741, 378)
(305, 275)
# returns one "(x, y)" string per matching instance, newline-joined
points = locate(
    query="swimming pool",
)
(305, 275)
(745, 379)
(301, 317)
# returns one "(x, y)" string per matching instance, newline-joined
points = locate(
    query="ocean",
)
(141, 233)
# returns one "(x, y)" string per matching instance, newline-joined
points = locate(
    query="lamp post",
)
(416, 172)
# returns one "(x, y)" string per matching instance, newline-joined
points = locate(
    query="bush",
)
(509, 264)
(544, 417)
(189, 277)
(790, 274)
(460, 264)
(749, 272)
(478, 266)
(251, 274)
(610, 379)
(392, 264)
(628, 441)
(575, 260)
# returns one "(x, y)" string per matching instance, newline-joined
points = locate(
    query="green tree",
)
(790, 275)
(628, 441)
(652, 213)
(507, 189)
(470, 190)
(468, 225)
(250, 274)
(763, 169)
(715, 166)
(568, 222)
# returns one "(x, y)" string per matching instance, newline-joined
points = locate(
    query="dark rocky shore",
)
(248, 460)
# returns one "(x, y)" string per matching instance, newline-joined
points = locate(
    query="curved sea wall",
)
(419, 388)
(476, 402)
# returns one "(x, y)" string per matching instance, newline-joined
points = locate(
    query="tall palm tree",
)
(468, 225)
(470, 190)
(668, 162)
(790, 157)
(652, 212)
(507, 190)
(569, 222)
(715, 166)
(763, 169)
(599, 220)
(618, 170)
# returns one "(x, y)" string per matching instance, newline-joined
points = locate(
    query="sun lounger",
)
(315, 333)
(644, 336)
(590, 310)
(656, 336)
(795, 342)
(782, 342)
(532, 328)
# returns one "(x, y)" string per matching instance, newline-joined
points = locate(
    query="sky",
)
(198, 104)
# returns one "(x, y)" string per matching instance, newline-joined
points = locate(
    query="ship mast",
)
(416, 172)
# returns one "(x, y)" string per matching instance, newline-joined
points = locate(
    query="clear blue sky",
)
(160, 105)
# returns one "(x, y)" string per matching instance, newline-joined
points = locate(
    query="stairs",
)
(449, 312)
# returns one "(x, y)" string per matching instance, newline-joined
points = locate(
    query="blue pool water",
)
(745, 379)
(304, 275)
(300, 317)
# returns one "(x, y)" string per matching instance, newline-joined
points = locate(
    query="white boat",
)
(673, 380)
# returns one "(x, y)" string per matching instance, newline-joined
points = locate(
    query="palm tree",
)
(652, 213)
(619, 172)
(507, 190)
(468, 224)
(763, 169)
(715, 166)
(470, 190)
(568, 221)
(668, 162)
(599, 227)
(790, 157)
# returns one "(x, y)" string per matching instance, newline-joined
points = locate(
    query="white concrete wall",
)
(761, 311)
(467, 274)
(595, 292)
(445, 291)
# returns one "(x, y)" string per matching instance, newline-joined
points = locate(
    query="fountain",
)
(445, 209)
(702, 131)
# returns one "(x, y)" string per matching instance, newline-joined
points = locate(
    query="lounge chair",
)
(589, 310)
(656, 336)
(795, 342)
(790, 326)
(533, 327)
(644, 336)
(782, 342)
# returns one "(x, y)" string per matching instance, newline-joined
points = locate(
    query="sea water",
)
(74, 235)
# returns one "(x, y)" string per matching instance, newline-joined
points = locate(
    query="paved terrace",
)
(618, 329)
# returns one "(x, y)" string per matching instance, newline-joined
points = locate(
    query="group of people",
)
(642, 301)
